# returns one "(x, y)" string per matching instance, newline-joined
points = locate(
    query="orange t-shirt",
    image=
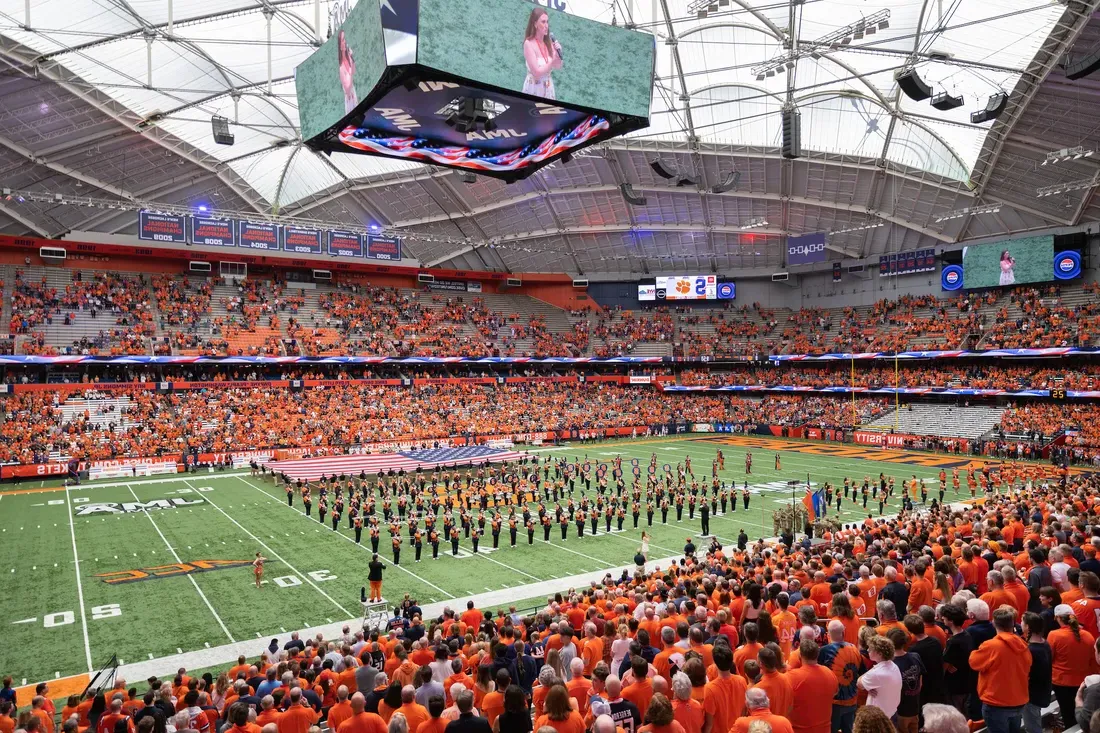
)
(363, 723)
(415, 714)
(724, 700)
(1072, 659)
(573, 724)
(639, 692)
(814, 688)
(492, 705)
(779, 691)
(297, 719)
(338, 713)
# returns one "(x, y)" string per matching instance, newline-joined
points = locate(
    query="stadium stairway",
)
(945, 421)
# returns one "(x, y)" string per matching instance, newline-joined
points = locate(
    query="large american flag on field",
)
(311, 469)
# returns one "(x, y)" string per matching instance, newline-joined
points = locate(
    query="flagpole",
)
(897, 399)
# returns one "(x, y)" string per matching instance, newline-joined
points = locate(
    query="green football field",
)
(173, 579)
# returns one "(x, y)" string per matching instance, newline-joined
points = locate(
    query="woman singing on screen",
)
(1008, 276)
(542, 54)
(347, 73)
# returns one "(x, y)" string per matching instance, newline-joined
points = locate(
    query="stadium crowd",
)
(925, 621)
(152, 423)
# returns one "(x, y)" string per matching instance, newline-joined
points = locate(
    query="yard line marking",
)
(280, 559)
(79, 585)
(178, 560)
(282, 502)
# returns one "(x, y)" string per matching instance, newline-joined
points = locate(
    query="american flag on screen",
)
(311, 469)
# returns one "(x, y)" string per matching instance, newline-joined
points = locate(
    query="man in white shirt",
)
(1059, 569)
(883, 681)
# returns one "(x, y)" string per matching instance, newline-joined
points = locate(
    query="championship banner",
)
(302, 241)
(383, 248)
(211, 230)
(259, 236)
(345, 244)
(153, 227)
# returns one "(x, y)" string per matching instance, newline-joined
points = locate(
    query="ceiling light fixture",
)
(1079, 185)
(859, 227)
(1065, 154)
(968, 211)
(754, 224)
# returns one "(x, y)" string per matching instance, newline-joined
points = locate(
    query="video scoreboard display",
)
(687, 287)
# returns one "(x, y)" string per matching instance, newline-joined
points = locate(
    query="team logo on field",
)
(166, 571)
(130, 507)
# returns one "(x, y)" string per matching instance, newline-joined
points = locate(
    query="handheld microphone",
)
(561, 55)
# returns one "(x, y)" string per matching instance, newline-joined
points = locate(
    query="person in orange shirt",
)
(813, 688)
(7, 722)
(415, 713)
(435, 722)
(341, 710)
(578, 686)
(661, 717)
(237, 715)
(360, 720)
(784, 623)
(689, 713)
(593, 648)
(920, 590)
(774, 682)
(1071, 649)
(492, 705)
(640, 691)
(559, 713)
(749, 649)
(1003, 664)
(299, 716)
(268, 713)
(723, 696)
(758, 705)
(471, 616)
(106, 722)
(997, 596)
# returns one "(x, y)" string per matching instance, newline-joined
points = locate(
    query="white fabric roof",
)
(181, 61)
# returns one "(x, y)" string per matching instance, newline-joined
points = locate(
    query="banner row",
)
(218, 231)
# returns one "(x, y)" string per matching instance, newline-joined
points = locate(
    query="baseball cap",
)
(1063, 609)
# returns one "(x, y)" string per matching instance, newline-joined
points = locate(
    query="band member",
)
(258, 568)
(290, 494)
(778, 466)
(475, 534)
(358, 529)
(704, 517)
(418, 543)
(374, 538)
(512, 528)
(454, 541)
(396, 541)
(530, 531)
(433, 537)
(307, 499)
(748, 462)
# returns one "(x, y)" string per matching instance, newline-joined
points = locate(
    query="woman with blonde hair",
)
(553, 661)
(620, 647)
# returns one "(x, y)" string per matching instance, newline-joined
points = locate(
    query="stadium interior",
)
(676, 366)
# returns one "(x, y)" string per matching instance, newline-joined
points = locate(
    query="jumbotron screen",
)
(687, 287)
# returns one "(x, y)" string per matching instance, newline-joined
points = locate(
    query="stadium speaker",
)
(792, 133)
(780, 277)
(685, 181)
(994, 106)
(944, 101)
(914, 87)
(729, 183)
(632, 198)
(424, 277)
(222, 135)
(52, 254)
(580, 282)
(513, 282)
(661, 169)
(1085, 66)
(199, 266)
(322, 274)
